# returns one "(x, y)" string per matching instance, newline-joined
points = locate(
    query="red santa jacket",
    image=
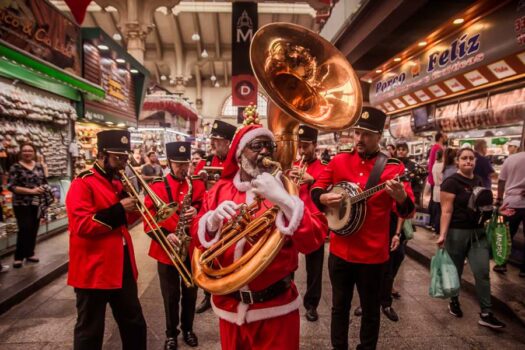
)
(369, 245)
(209, 161)
(97, 232)
(305, 237)
(178, 191)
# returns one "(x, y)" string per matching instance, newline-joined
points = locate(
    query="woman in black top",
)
(463, 236)
(28, 183)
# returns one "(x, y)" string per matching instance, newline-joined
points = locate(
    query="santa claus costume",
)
(265, 314)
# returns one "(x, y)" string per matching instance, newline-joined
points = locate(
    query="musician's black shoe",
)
(170, 344)
(390, 313)
(190, 338)
(358, 311)
(204, 305)
(312, 315)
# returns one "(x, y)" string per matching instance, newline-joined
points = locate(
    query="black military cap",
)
(307, 134)
(179, 152)
(222, 130)
(114, 141)
(371, 119)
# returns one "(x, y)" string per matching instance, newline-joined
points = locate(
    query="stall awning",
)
(168, 103)
(15, 64)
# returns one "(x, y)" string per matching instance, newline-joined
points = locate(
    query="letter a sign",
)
(244, 26)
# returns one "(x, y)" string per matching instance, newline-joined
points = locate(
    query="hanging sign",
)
(37, 27)
(244, 26)
(487, 51)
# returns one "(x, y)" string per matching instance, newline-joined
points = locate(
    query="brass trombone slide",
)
(163, 211)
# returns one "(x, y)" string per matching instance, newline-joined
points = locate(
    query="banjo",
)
(348, 217)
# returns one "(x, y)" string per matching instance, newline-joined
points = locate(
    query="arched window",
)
(231, 111)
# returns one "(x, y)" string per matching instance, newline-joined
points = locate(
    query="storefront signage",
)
(487, 51)
(38, 28)
(115, 89)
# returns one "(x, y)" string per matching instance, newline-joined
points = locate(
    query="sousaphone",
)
(308, 81)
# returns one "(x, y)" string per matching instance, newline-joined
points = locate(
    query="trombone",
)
(163, 211)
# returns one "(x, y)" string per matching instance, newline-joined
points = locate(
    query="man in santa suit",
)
(314, 260)
(221, 136)
(173, 188)
(102, 265)
(265, 315)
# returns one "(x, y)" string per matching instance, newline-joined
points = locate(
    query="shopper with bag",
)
(462, 234)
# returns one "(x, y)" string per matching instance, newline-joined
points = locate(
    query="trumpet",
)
(163, 211)
(302, 169)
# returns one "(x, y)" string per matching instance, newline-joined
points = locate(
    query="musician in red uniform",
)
(265, 315)
(221, 136)
(173, 188)
(220, 139)
(102, 265)
(314, 260)
(358, 259)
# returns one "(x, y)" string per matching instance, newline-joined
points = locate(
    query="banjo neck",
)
(370, 192)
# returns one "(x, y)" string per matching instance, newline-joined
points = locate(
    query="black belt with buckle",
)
(249, 297)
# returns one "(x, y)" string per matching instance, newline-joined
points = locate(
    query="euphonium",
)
(309, 81)
(162, 212)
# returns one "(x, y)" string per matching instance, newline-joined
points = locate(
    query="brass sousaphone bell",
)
(308, 81)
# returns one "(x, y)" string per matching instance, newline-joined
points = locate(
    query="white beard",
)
(250, 169)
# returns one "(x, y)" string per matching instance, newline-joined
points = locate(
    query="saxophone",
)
(183, 238)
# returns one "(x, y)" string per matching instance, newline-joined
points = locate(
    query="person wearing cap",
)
(511, 195)
(314, 261)
(265, 315)
(173, 188)
(102, 266)
(513, 147)
(358, 259)
(221, 136)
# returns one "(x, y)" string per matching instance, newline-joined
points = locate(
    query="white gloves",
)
(225, 210)
(271, 188)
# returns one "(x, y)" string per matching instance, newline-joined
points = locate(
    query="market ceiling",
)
(200, 30)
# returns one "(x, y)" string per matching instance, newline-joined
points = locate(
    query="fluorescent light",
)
(120, 60)
(369, 81)
(163, 77)
(110, 123)
(121, 125)
(133, 71)
(422, 43)
(378, 71)
(103, 47)
(195, 37)
(458, 21)
(397, 59)
(217, 84)
(117, 37)
(204, 54)
(213, 78)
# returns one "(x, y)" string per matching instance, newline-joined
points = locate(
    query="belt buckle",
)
(246, 296)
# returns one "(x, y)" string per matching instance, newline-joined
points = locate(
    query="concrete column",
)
(135, 34)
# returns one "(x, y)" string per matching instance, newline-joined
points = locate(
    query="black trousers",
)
(367, 278)
(172, 288)
(390, 273)
(314, 278)
(28, 223)
(125, 305)
(514, 222)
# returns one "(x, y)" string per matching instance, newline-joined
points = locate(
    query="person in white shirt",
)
(511, 195)
(437, 175)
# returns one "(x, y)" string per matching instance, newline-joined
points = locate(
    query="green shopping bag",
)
(408, 229)
(498, 235)
(444, 278)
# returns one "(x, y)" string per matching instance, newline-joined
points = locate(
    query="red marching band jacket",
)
(369, 245)
(178, 191)
(304, 233)
(209, 161)
(97, 231)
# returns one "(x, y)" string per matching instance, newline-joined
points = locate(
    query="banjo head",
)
(340, 217)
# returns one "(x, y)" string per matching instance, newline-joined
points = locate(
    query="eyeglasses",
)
(258, 146)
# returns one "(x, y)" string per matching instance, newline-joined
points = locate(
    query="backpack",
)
(481, 203)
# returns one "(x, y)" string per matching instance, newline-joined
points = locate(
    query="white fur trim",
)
(242, 186)
(294, 221)
(239, 249)
(202, 230)
(250, 136)
(243, 315)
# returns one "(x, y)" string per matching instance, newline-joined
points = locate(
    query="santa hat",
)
(244, 136)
